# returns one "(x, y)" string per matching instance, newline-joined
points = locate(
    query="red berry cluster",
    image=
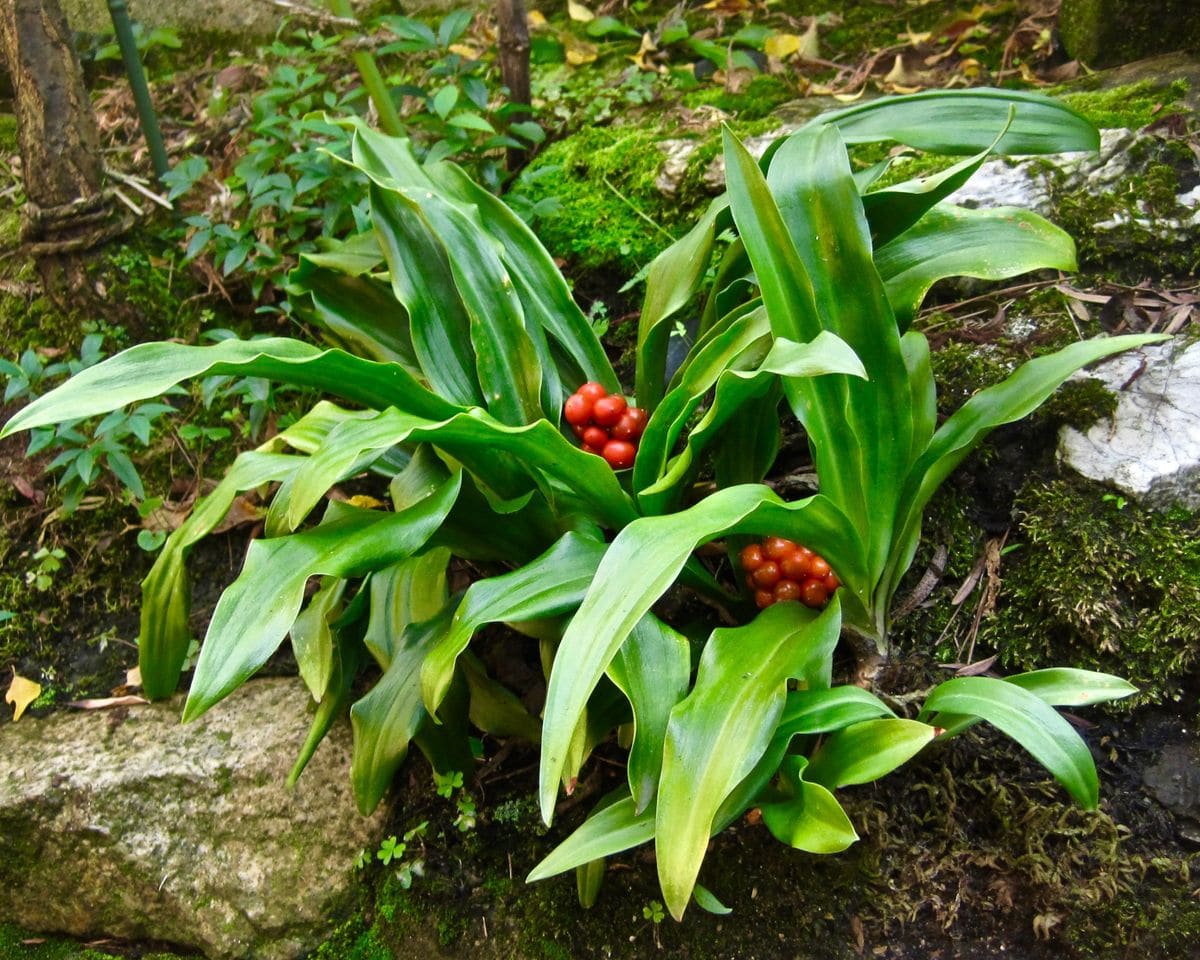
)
(779, 570)
(606, 424)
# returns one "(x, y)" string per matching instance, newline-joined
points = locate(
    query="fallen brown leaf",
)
(103, 703)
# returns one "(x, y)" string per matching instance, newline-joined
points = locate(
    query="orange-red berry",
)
(813, 593)
(796, 565)
(766, 576)
(818, 566)
(595, 437)
(763, 598)
(752, 557)
(592, 390)
(607, 411)
(620, 454)
(776, 548)
(786, 591)
(577, 411)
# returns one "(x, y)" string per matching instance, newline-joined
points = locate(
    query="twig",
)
(138, 184)
(629, 203)
(313, 13)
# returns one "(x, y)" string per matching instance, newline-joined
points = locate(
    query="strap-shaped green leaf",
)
(312, 636)
(640, 565)
(494, 708)
(951, 241)
(966, 121)
(825, 709)
(360, 315)
(256, 611)
(166, 591)
(652, 669)
(866, 751)
(716, 736)
(423, 282)
(389, 716)
(1031, 722)
(551, 585)
(674, 277)
(810, 818)
(411, 591)
(611, 829)
(150, 369)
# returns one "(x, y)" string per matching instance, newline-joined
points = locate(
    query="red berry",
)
(577, 411)
(786, 591)
(831, 581)
(578, 430)
(751, 557)
(607, 411)
(796, 565)
(819, 568)
(592, 390)
(632, 424)
(588, 448)
(620, 454)
(777, 548)
(763, 598)
(595, 437)
(813, 593)
(766, 576)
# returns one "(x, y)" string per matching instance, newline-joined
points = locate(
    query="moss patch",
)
(1132, 105)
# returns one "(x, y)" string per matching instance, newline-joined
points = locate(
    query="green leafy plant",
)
(458, 342)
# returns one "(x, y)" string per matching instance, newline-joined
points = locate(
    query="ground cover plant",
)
(459, 344)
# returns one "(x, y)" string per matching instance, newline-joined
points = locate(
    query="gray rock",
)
(1151, 448)
(1174, 781)
(1103, 33)
(127, 823)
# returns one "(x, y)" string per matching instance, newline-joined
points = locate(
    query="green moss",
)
(1132, 105)
(17, 944)
(1101, 583)
(762, 95)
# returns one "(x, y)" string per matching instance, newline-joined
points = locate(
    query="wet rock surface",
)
(1150, 449)
(127, 823)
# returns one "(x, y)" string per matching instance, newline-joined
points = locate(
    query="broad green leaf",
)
(506, 363)
(423, 282)
(826, 354)
(478, 441)
(1031, 722)
(638, 568)
(257, 609)
(166, 592)
(675, 276)
(819, 203)
(312, 636)
(716, 736)
(966, 121)
(707, 901)
(866, 751)
(810, 819)
(552, 585)
(388, 717)
(543, 292)
(894, 209)
(589, 877)
(952, 241)
(354, 256)
(494, 708)
(790, 301)
(652, 669)
(150, 369)
(1067, 687)
(359, 315)
(410, 591)
(444, 100)
(611, 829)
(747, 448)
(825, 709)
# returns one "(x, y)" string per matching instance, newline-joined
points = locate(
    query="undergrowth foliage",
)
(456, 343)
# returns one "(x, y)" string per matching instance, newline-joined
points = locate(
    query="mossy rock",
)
(1104, 33)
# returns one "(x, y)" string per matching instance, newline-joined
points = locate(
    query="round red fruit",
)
(592, 391)
(620, 454)
(831, 581)
(819, 568)
(763, 599)
(588, 448)
(577, 411)
(787, 591)
(578, 430)
(766, 576)
(777, 547)
(595, 437)
(813, 593)
(796, 565)
(752, 557)
(632, 424)
(608, 411)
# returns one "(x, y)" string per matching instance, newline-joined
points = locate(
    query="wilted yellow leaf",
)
(781, 45)
(535, 19)
(913, 37)
(579, 12)
(579, 51)
(133, 677)
(900, 75)
(466, 51)
(648, 46)
(21, 693)
(365, 501)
